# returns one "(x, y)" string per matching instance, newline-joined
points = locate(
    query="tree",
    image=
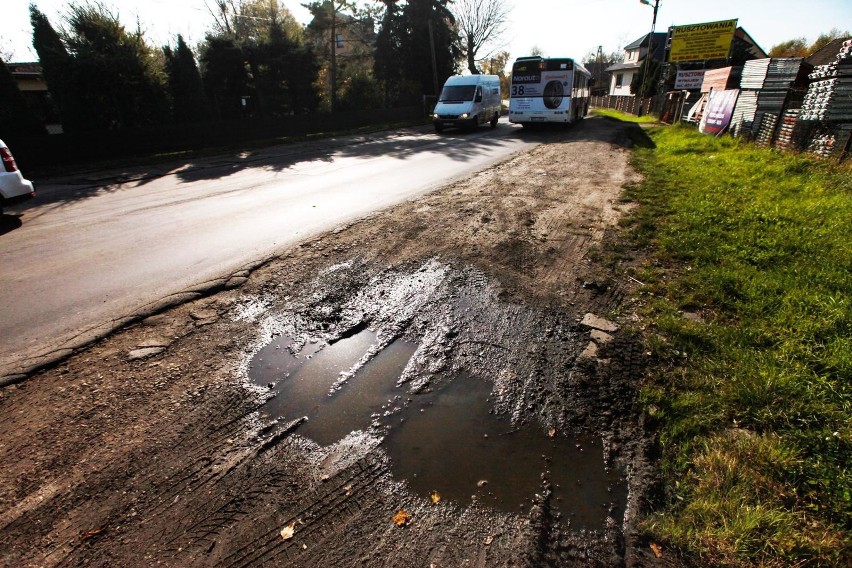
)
(498, 64)
(429, 47)
(255, 61)
(386, 67)
(327, 23)
(224, 75)
(797, 47)
(54, 58)
(185, 86)
(647, 87)
(825, 39)
(480, 24)
(116, 80)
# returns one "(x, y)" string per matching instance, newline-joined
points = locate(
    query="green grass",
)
(753, 403)
(624, 117)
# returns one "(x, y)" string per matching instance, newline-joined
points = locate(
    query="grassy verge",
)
(748, 300)
(624, 117)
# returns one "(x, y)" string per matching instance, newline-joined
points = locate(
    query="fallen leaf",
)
(401, 519)
(436, 497)
(658, 550)
(288, 531)
(488, 540)
(551, 433)
(89, 534)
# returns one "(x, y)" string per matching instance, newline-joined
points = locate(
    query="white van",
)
(467, 101)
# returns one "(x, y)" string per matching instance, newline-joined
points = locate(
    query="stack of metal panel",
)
(828, 104)
(720, 79)
(754, 74)
(743, 118)
(783, 88)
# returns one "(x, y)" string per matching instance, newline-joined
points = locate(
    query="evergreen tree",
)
(187, 91)
(258, 52)
(115, 79)
(644, 86)
(225, 77)
(386, 65)
(16, 118)
(429, 25)
(54, 58)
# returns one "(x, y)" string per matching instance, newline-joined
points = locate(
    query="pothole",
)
(446, 439)
(451, 442)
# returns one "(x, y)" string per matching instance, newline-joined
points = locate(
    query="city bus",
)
(553, 89)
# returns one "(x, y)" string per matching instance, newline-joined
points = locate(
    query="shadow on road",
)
(9, 223)
(400, 144)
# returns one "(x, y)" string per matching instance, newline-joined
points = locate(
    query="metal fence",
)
(51, 150)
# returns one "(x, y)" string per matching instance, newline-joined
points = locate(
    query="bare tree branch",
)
(480, 23)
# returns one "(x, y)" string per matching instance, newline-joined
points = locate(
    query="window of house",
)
(619, 80)
(340, 41)
(632, 56)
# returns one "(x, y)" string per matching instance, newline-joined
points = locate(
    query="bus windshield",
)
(457, 93)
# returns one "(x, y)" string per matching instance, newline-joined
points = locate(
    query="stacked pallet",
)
(828, 104)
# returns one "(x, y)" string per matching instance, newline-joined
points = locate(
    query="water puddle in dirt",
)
(446, 440)
(303, 382)
(451, 443)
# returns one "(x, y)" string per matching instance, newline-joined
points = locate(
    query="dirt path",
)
(157, 445)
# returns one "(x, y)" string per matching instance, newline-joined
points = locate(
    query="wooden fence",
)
(629, 105)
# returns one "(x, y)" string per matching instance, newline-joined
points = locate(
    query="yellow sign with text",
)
(697, 42)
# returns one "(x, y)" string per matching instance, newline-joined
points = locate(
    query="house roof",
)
(659, 45)
(622, 66)
(828, 53)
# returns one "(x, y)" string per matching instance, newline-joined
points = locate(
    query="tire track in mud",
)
(320, 514)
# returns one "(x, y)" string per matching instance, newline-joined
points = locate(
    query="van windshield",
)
(457, 93)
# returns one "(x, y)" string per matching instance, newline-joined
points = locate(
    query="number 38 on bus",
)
(548, 90)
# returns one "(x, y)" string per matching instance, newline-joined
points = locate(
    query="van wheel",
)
(439, 128)
(494, 121)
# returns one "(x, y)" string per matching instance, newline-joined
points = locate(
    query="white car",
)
(13, 187)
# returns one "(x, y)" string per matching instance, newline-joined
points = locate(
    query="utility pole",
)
(434, 58)
(599, 61)
(649, 56)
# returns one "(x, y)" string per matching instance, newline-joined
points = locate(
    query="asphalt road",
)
(95, 247)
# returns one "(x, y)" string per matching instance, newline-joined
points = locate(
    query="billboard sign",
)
(720, 109)
(697, 42)
(689, 80)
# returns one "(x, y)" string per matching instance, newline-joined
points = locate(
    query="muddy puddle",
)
(447, 439)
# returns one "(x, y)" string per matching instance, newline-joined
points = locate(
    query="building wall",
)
(626, 79)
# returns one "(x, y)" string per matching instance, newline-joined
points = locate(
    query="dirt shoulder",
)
(155, 447)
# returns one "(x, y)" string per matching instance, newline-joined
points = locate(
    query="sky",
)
(559, 28)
